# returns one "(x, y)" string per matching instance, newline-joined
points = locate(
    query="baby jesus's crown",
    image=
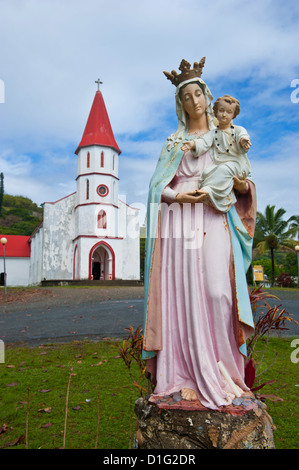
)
(186, 72)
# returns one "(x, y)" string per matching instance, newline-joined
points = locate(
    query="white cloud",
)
(276, 175)
(54, 50)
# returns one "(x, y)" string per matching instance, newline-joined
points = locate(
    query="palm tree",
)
(273, 233)
(294, 225)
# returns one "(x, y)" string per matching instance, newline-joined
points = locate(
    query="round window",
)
(102, 190)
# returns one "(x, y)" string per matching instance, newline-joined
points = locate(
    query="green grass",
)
(100, 400)
(101, 396)
(285, 414)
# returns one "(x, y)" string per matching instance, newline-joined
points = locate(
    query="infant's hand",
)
(245, 143)
(190, 145)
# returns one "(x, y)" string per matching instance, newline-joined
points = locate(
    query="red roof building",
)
(98, 130)
(17, 246)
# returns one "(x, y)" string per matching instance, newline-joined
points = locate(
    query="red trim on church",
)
(61, 199)
(98, 237)
(102, 243)
(98, 130)
(97, 204)
(75, 260)
(95, 173)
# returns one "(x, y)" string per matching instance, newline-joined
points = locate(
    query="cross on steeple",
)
(98, 81)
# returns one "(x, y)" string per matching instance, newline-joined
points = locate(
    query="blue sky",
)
(53, 51)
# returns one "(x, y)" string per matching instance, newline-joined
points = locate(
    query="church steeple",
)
(98, 130)
(97, 203)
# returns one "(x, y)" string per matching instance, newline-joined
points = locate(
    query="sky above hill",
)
(52, 51)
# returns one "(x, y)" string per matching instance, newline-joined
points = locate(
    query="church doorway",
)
(101, 262)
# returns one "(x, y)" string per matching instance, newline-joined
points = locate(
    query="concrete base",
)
(171, 423)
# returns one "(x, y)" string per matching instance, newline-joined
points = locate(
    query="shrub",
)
(285, 280)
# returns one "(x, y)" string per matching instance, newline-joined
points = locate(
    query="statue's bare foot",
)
(188, 394)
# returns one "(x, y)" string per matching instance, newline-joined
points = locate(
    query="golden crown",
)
(186, 72)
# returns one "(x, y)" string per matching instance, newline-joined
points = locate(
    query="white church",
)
(90, 234)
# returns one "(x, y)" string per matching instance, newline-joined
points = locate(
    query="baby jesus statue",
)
(228, 145)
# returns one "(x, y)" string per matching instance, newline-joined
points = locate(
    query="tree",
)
(273, 233)
(20, 215)
(294, 225)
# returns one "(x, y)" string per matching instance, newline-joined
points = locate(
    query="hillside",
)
(19, 215)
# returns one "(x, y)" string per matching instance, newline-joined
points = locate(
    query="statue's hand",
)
(192, 197)
(245, 143)
(240, 184)
(189, 145)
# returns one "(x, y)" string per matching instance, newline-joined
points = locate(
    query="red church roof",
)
(98, 130)
(17, 246)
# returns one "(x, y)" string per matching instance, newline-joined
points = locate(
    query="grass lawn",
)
(35, 386)
(285, 414)
(36, 383)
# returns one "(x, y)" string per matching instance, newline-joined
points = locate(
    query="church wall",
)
(87, 220)
(91, 195)
(110, 160)
(36, 258)
(59, 231)
(129, 261)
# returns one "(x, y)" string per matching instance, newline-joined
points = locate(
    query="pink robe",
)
(196, 296)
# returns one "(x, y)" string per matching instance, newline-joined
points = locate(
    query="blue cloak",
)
(241, 230)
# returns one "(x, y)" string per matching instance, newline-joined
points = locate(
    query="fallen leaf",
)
(17, 441)
(48, 425)
(44, 390)
(4, 428)
(10, 366)
(13, 384)
(45, 410)
(76, 408)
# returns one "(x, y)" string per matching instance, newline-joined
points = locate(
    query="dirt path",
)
(40, 297)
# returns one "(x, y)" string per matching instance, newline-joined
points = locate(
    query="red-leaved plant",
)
(131, 352)
(266, 320)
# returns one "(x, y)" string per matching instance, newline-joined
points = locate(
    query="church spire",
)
(98, 130)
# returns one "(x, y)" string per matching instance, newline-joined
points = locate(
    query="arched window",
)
(102, 159)
(102, 219)
(88, 160)
(87, 189)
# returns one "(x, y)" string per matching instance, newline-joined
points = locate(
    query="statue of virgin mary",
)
(197, 312)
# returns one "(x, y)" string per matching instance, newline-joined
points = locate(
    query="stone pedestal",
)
(173, 423)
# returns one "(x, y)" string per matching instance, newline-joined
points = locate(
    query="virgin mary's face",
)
(193, 101)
